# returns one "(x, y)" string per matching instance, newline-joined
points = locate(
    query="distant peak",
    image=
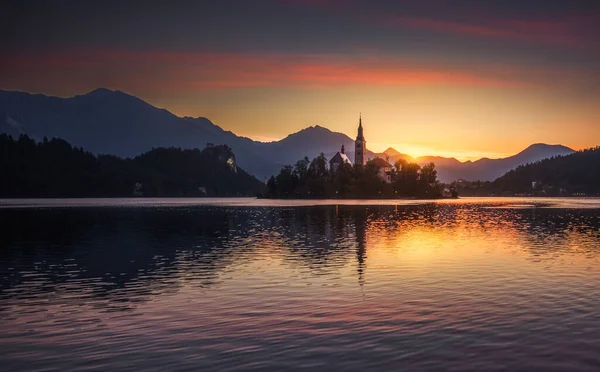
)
(105, 92)
(100, 91)
(199, 118)
(312, 128)
(539, 146)
(316, 127)
(545, 145)
(391, 151)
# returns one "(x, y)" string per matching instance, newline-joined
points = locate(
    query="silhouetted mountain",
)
(309, 142)
(574, 174)
(112, 122)
(439, 160)
(391, 155)
(392, 152)
(450, 169)
(578, 172)
(489, 169)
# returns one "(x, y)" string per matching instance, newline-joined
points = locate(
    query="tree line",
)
(55, 168)
(313, 179)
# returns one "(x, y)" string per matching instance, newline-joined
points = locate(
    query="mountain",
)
(392, 152)
(391, 155)
(578, 172)
(489, 169)
(113, 122)
(450, 169)
(309, 142)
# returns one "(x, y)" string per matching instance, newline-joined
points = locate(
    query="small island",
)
(340, 178)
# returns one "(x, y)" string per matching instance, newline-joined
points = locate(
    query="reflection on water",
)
(427, 286)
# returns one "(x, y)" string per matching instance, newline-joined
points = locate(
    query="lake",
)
(246, 284)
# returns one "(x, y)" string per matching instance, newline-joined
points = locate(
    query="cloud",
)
(565, 25)
(178, 71)
(568, 32)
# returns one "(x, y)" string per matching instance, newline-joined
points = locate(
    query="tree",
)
(55, 168)
(318, 167)
(348, 181)
(429, 186)
(272, 186)
(406, 180)
(301, 168)
(428, 174)
(368, 183)
(286, 181)
(345, 180)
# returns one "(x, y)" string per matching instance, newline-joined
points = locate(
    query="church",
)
(360, 157)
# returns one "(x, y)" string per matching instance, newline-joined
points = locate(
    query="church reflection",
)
(360, 226)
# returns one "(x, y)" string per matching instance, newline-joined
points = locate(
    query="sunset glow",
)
(279, 185)
(465, 82)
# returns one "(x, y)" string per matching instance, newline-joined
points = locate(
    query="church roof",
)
(380, 163)
(339, 158)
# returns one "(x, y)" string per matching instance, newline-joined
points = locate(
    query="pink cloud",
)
(564, 33)
(177, 71)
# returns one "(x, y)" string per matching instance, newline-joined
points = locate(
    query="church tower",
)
(360, 146)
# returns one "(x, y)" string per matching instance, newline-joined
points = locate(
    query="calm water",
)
(179, 284)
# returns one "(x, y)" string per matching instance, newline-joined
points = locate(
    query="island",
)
(364, 179)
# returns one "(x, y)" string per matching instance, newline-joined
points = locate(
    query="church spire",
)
(360, 145)
(360, 136)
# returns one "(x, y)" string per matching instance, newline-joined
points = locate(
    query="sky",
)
(467, 79)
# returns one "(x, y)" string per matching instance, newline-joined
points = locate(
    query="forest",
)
(313, 179)
(55, 168)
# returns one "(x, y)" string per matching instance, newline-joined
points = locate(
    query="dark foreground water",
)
(173, 285)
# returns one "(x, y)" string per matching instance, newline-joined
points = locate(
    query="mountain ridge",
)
(115, 122)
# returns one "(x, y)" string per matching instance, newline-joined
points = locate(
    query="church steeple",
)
(360, 145)
(360, 135)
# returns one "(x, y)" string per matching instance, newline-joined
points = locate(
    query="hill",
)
(113, 122)
(54, 168)
(489, 169)
(578, 173)
(574, 174)
(451, 169)
(391, 155)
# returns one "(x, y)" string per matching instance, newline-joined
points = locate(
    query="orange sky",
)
(483, 80)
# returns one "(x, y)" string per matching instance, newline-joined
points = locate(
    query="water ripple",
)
(457, 285)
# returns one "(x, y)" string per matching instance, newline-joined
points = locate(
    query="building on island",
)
(360, 146)
(385, 169)
(360, 157)
(338, 159)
